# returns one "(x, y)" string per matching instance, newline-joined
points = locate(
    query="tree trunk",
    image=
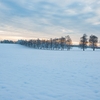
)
(93, 48)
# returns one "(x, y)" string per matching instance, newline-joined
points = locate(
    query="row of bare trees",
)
(57, 43)
(62, 43)
(92, 41)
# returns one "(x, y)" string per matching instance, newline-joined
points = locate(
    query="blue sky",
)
(25, 19)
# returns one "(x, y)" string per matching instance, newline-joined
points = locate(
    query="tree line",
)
(93, 41)
(53, 44)
(7, 41)
(63, 43)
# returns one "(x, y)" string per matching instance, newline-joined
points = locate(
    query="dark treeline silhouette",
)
(7, 41)
(63, 43)
(93, 41)
(52, 44)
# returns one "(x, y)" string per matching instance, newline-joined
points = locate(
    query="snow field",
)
(29, 74)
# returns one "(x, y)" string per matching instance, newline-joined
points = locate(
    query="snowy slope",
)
(28, 74)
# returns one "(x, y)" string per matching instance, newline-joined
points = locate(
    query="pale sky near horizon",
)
(44, 19)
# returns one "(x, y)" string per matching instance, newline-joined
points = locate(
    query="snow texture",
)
(30, 74)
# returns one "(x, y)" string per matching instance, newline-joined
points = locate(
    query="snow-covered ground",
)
(28, 74)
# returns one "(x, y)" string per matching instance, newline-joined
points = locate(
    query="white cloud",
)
(87, 9)
(96, 18)
(71, 12)
(96, 23)
(67, 30)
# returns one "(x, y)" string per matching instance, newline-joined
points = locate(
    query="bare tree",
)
(93, 40)
(62, 42)
(68, 42)
(51, 43)
(83, 42)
